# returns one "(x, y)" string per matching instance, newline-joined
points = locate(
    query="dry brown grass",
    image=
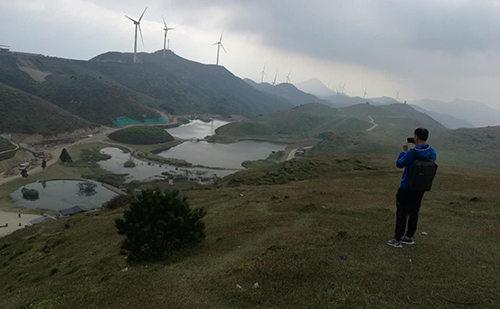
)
(290, 245)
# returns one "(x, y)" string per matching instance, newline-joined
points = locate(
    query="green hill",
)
(314, 243)
(21, 112)
(143, 135)
(316, 120)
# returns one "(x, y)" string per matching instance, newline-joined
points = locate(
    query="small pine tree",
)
(65, 157)
(159, 223)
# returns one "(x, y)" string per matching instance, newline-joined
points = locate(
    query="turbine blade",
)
(140, 18)
(164, 22)
(223, 48)
(171, 28)
(131, 19)
(221, 36)
(140, 31)
(215, 44)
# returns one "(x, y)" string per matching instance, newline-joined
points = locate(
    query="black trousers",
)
(408, 206)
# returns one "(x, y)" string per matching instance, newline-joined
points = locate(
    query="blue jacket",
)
(405, 160)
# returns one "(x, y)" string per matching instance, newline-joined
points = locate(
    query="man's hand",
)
(405, 147)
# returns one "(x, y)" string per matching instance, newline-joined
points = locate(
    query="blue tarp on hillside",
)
(125, 121)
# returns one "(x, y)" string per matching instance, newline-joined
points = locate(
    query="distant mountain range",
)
(288, 92)
(110, 87)
(453, 115)
(476, 113)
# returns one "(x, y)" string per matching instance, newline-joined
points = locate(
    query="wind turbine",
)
(219, 45)
(343, 88)
(263, 73)
(166, 29)
(364, 96)
(275, 78)
(288, 77)
(137, 24)
(397, 95)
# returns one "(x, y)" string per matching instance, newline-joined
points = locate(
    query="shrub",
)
(129, 164)
(30, 194)
(65, 157)
(159, 223)
(119, 201)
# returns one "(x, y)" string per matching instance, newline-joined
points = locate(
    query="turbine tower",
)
(219, 45)
(263, 73)
(397, 95)
(137, 24)
(166, 29)
(275, 78)
(364, 96)
(288, 77)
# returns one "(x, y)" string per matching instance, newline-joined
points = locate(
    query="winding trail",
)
(10, 150)
(372, 122)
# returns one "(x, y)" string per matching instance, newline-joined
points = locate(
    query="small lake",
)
(62, 194)
(196, 129)
(222, 155)
(142, 171)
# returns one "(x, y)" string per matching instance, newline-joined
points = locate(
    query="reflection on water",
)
(196, 129)
(144, 171)
(222, 155)
(62, 194)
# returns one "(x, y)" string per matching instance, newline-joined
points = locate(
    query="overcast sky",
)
(438, 49)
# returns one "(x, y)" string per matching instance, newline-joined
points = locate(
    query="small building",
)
(4, 48)
(72, 211)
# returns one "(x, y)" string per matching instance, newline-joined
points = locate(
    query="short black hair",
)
(422, 133)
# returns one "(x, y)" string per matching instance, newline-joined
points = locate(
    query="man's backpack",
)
(422, 174)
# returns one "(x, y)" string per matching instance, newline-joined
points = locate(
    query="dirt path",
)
(10, 150)
(291, 155)
(372, 122)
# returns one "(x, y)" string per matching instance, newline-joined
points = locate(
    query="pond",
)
(196, 129)
(222, 155)
(62, 194)
(143, 171)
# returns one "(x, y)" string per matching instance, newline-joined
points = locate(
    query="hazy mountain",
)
(315, 87)
(383, 101)
(288, 92)
(448, 121)
(476, 113)
(110, 86)
(185, 86)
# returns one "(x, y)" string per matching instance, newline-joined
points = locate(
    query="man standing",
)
(411, 192)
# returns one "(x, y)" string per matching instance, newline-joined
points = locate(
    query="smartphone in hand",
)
(410, 140)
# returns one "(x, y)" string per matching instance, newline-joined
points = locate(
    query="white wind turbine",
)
(263, 73)
(364, 96)
(275, 78)
(137, 24)
(288, 77)
(397, 95)
(219, 45)
(166, 29)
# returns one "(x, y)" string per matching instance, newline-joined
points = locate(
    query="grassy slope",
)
(21, 112)
(76, 88)
(5, 145)
(143, 135)
(290, 246)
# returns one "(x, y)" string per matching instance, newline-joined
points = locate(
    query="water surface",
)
(62, 194)
(196, 129)
(222, 155)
